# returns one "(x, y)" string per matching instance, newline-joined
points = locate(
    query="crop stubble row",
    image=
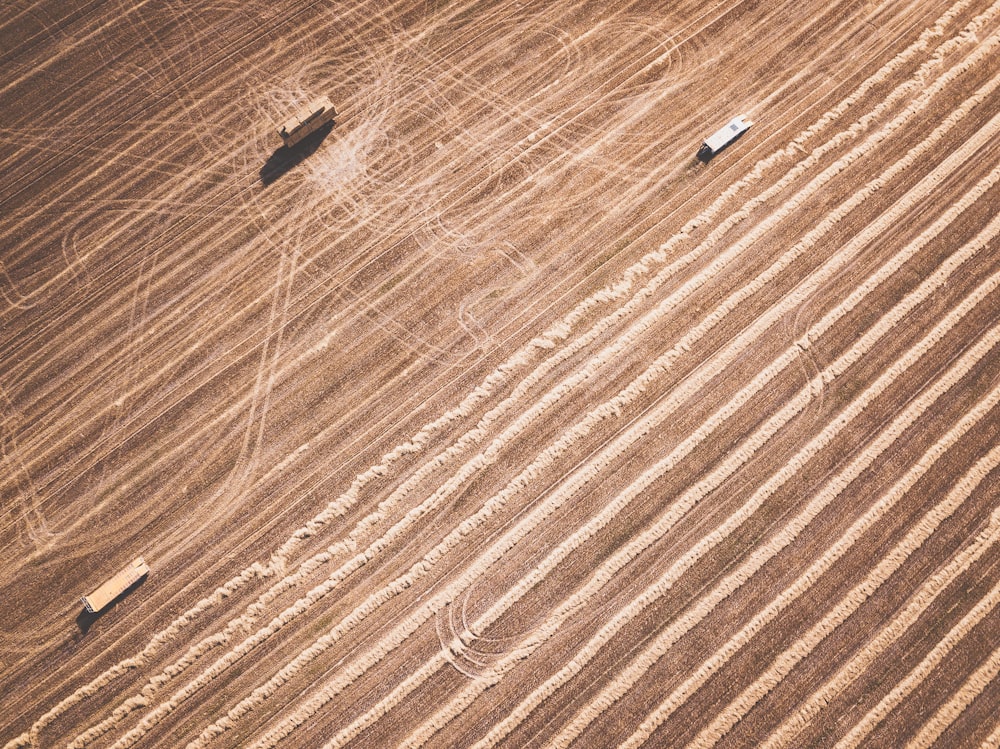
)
(321, 697)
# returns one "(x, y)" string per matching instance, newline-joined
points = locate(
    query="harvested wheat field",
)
(489, 416)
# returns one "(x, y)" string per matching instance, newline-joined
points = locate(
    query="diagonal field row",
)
(498, 420)
(977, 146)
(226, 414)
(973, 148)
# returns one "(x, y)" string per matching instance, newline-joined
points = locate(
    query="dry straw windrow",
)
(937, 29)
(948, 713)
(757, 559)
(665, 640)
(851, 602)
(336, 508)
(642, 662)
(921, 671)
(887, 635)
(545, 341)
(786, 734)
(982, 544)
(420, 569)
(311, 528)
(965, 37)
(994, 179)
(499, 377)
(278, 561)
(588, 372)
(633, 548)
(408, 626)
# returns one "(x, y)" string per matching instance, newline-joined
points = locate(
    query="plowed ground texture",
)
(489, 415)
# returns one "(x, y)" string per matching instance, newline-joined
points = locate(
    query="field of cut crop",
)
(491, 416)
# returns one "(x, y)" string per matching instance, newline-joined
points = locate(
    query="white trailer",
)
(307, 120)
(114, 587)
(724, 136)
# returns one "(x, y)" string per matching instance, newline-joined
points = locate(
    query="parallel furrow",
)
(650, 654)
(545, 341)
(961, 699)
(642, 541)
(921, 671)
(421, 568)
(517, 397)
(893, 560)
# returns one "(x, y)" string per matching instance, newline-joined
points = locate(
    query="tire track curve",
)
(238, 709)
(918, 296)
(309, 530)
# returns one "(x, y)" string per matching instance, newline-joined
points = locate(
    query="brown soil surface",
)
(491, 416)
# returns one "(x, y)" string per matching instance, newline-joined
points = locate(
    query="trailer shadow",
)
(286, 158)
(85, 620)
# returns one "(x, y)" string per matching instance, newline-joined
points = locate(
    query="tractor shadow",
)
(286, 158)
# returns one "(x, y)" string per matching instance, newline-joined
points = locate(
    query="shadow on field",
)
(85, 620)
(287, 157)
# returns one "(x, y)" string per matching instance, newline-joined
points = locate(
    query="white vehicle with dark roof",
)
(724, 136)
